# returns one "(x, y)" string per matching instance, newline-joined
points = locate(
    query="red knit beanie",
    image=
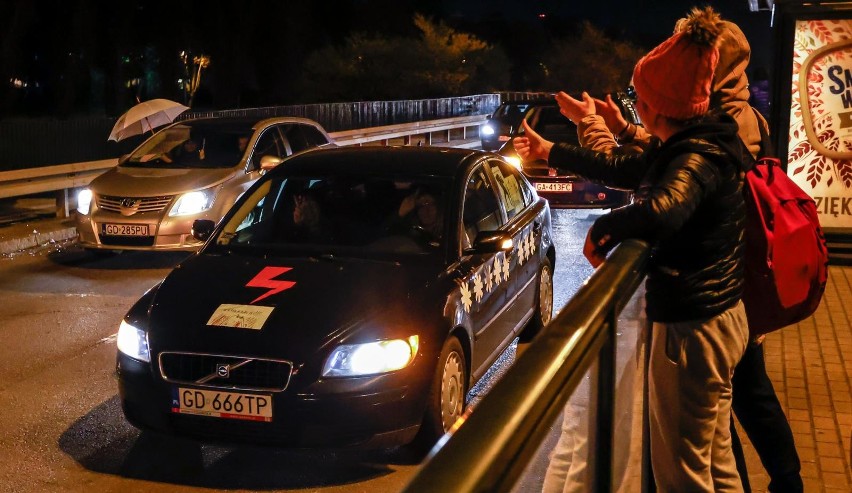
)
(674, 78)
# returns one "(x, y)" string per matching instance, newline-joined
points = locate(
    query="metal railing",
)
(61, 178)
(490, 450)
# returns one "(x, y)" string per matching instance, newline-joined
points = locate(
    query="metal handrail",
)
(500, 436)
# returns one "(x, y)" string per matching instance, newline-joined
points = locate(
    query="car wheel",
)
(544, 298)
(447, 395)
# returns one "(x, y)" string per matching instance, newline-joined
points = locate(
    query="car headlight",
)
(514, 161)
(487, 130)
(133, 342)
(351, 360)
(84, 200)
(193, 203)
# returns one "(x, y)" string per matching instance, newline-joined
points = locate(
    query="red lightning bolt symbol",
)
(264, 279)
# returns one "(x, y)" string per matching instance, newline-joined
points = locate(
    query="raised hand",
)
(531, 146)
(575, 109)
(611, 114)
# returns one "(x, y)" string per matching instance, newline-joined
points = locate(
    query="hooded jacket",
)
(728, 92)
(688, 204)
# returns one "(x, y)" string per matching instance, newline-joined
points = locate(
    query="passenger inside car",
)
(308, 222)
(422, 210)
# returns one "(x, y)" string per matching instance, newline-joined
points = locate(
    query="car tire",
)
(447, 394)
(544, 301)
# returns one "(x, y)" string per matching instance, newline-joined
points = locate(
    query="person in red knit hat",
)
(689, 205)
(754, 402)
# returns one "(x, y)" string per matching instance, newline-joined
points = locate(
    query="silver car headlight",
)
(193, 202)
(133, 342)
(352, 360)
(84, 201)
(487, 130)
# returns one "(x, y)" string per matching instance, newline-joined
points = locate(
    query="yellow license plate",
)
(220, 404)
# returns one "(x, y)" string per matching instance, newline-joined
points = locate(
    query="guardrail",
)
(62, 178)
(489, 451)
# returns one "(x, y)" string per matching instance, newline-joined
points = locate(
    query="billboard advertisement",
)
(819, 148)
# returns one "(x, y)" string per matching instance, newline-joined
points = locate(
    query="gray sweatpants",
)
(690, 402)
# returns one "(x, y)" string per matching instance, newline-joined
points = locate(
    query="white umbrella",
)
(145, 117)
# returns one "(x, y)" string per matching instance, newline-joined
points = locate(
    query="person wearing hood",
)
(689, 205)
(602, 127)
(755, 402)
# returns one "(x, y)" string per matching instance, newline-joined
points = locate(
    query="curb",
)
(36, 238)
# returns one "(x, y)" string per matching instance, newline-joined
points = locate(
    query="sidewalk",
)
(27, 225)
(810, 365)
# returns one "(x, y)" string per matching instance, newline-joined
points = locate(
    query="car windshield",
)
(548, 122)
(199, 144)
(511, 113)
(341, 214)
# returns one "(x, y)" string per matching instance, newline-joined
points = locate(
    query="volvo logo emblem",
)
(223, 370)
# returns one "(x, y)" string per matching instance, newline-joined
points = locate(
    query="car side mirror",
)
(491, 242)
(269, 162)
(202, 229)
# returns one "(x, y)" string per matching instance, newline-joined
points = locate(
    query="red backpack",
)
(786, 258)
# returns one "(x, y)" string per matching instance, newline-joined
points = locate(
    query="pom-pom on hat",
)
(675, 78)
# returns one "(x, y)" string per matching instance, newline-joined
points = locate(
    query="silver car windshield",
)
(367, 213)
(192, 145)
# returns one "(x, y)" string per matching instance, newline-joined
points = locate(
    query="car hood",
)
(128, 181)
(294, 307)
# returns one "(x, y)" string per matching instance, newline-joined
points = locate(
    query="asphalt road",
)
(61, 426)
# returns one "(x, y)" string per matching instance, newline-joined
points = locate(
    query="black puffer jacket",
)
(689, 204)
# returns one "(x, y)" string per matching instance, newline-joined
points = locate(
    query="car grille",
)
(243, 372)
(138, 204)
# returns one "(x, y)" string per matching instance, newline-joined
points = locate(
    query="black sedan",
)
(502, 124)
(351, 297)
(561, 190)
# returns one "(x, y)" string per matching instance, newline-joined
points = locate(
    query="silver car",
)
(193, 169)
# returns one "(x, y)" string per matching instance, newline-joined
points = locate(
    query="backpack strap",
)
(765, 142)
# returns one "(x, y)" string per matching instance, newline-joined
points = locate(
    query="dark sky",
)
(79, 55)
(649, 22)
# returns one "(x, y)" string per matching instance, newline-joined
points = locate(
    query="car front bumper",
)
(163, 233)
(369, 412)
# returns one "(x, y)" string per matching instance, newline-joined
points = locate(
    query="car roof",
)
(393, 160)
